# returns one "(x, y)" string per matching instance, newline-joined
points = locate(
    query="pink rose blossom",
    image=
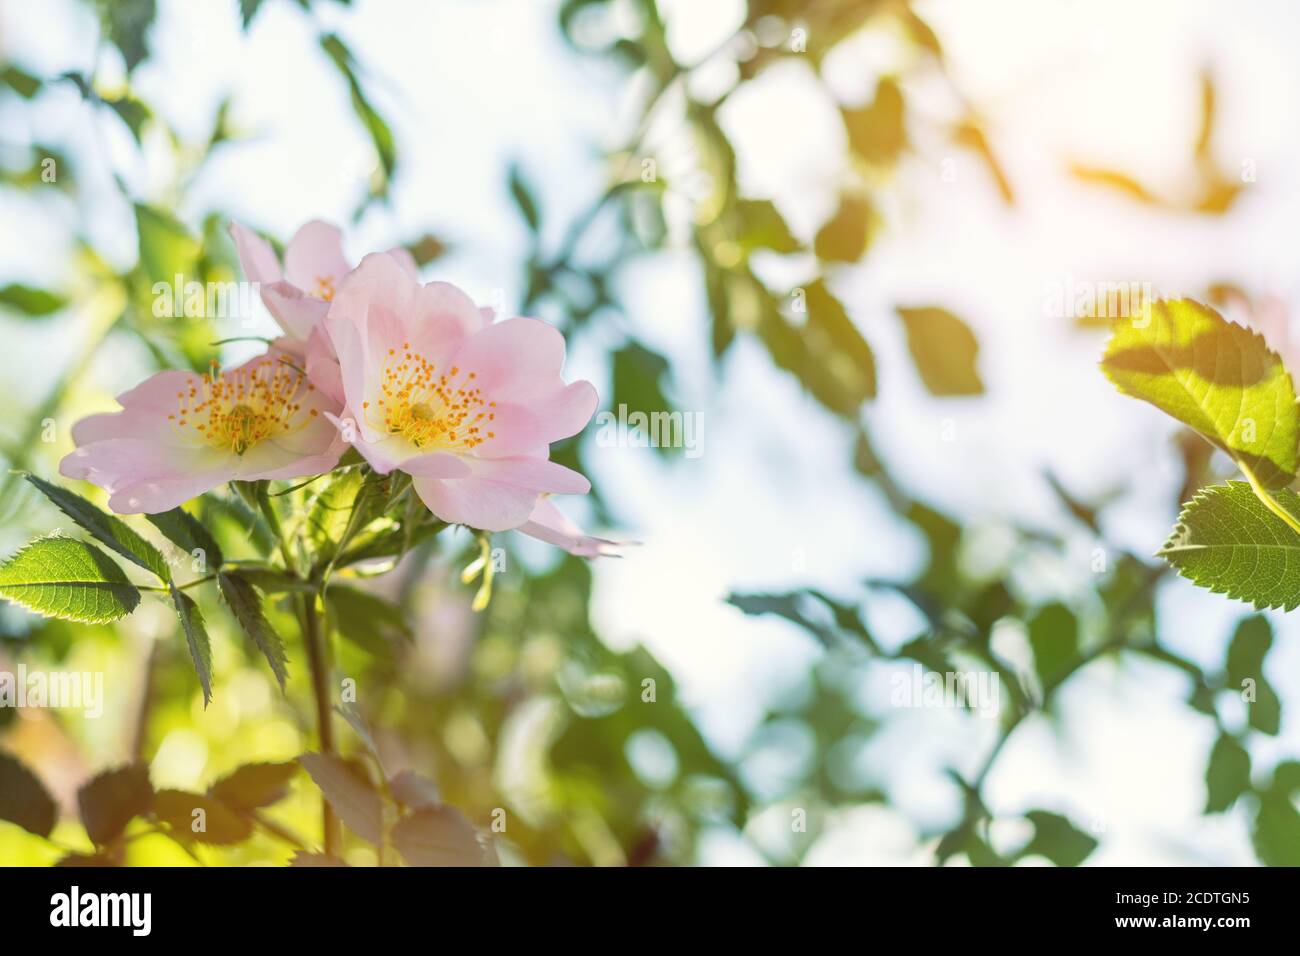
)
(180, 434)
(468, 408)
(314, 266)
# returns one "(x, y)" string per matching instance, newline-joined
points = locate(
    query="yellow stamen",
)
(239, 409)
(429, 410)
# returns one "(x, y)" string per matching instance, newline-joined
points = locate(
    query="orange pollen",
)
(430, 410)
(238, 409)
(325, 288)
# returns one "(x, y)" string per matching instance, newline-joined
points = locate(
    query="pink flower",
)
(466, 407)
(314, 266)
(180, 434)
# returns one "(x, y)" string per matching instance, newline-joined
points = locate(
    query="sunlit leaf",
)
(1215, 376)
(69, 579)
(1226, 540)
(847, 234)
(944, 349)
(877, 132)
(108, 529)
(763, 227)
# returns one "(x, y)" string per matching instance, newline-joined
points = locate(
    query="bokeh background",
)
(836, 232)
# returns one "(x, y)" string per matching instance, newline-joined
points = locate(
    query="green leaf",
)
(1054, 636)
(108, 529)
(247, 10)
(110, 800)
(199, 818)
(354, 799)
(68, 579)
(877, 132)
(639, 376)
(29, 301)
(1215, 376)
(126, 23)
(381, 134)
(367, 620)
(167, 249)
(24, 799)
(332, 507)
(246, 604)
(522, 193)
(439, 836)
(272, 580)
(20, 81)
(1226, 540)
(255, 785)
(1245, 672)
(847, 234)
(944, 350)
(1058, 839)
(196, 638)
(763, 227)
(1227, 776)
(828, 354)
(184, 530)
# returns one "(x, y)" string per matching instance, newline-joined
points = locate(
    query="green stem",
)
(1266, 497)
(313, 639)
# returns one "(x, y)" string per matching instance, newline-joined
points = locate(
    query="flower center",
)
(325, 288)
(239, 409)
(429, 409)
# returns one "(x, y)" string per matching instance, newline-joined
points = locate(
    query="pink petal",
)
(477, 502)
(256, 257)
(536, 474)
(297, 312)
(437, 464)
(547, 523)
(515, 360)
(314, 260)
(405, 260)
(323, 365)
(522, 429)
(148, 462)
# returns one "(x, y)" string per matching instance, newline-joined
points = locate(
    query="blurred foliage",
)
(523, 713)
